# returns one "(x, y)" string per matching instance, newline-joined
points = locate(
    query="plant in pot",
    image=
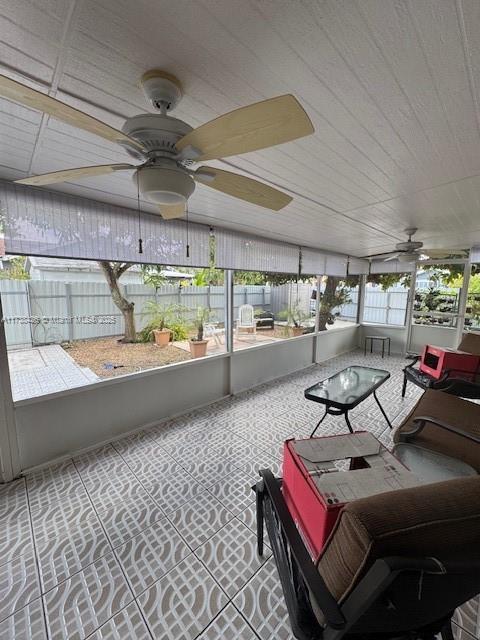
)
(198, 346)
(159, 318)
(294, 316)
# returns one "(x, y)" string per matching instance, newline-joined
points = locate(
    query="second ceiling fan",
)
(167, 147)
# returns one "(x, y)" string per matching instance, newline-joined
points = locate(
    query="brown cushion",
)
(453, 410)
(435, 520)
(470, 343)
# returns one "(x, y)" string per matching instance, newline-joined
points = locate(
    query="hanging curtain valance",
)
(475, 255)
(39, 222)
(357, 266)
(252, 253)
(313, 262)
(319, 263)
(391, 266)
(335, 265)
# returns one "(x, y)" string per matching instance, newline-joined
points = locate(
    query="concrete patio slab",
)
(47, 369)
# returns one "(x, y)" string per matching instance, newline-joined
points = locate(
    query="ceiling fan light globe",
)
(164, 186)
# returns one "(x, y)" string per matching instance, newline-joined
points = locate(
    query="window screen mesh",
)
(46, 223)
(252, 253)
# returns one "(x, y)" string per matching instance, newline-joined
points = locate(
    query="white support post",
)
(317, 319)
(229, 309)
(9, 454)
(229, 320)
(409, 310)
(362, 281)
(462, 301)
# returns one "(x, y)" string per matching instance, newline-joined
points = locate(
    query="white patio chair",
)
(246, 322)
(210, 330)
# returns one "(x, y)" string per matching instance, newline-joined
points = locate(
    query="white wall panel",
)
(65, 422)
(50, 427)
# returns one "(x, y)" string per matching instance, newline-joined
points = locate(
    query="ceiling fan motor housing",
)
(156, 132)
(162, 89)
(164, 185)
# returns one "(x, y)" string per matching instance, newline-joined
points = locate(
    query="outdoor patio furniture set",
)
(395, 561)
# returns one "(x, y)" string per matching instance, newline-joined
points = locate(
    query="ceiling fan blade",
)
(377, 256)
(73, 174)
(392, 257)
(171, 211)
(260, 125)
(244, 188)
(18, 92)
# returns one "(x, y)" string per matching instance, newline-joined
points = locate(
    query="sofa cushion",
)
(470, 343)
(450, 409)
(435, 520)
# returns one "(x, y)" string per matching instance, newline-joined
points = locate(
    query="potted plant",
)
(198, 346)
(295, 316)
(159, 316)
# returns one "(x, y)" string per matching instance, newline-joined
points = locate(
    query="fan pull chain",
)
(188, 246)
(140, 241)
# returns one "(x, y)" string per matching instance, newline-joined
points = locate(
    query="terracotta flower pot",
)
(162, 337)
(198, 348)
(297, 331)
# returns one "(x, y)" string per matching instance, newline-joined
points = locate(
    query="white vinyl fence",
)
(385, 307)
(44, 312)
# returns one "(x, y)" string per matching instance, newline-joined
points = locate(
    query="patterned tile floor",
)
(153, 536)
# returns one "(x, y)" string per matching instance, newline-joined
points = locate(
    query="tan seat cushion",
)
(435, 520)
(455, 411)
(470, 343)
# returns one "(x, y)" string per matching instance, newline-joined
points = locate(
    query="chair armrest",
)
(420, 422)
(413, 360)
(309, 572)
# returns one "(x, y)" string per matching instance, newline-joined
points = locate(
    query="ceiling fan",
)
(404, 251)
(167, 147)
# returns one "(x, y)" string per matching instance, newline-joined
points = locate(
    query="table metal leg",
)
(382, 409)
(383, 348)
(347, 420)
(389, 345)
(259, 494)
(319, 422)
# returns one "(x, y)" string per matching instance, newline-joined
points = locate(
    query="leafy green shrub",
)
(178, 327)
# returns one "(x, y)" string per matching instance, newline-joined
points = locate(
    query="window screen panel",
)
(47, 223)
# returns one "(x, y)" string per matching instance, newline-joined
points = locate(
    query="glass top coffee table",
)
(345, 390)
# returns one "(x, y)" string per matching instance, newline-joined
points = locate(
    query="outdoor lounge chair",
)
(246, 322)
(211, 330)
(445, 424)
(396, 565)
(449, 382)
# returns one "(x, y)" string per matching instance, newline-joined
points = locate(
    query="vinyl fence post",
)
(69, 309)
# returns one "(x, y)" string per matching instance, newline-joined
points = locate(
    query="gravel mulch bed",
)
(126, 358)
